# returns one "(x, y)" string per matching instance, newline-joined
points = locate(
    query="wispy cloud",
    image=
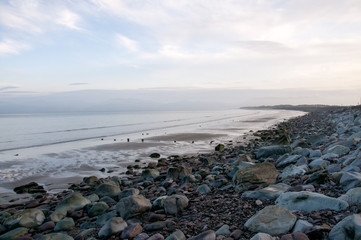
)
(68, 19)
(126, 42)
(77, 84)
(7, 88)
(8, 46)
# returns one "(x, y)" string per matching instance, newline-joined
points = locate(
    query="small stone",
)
(142, 236)
(107, 189)
(46, 226)
(132, 206)
(154, 155)
(55, 236)
(131, 231)
(302, 226)
(17, 232)
(177, 235)
(73, 201)
(223, 231)
(236, 234)
(207, 235)
(203, 189)
(97, 208)
(295, 236)
(128, 192)
(113, 226)
(262, 236)
(157, 236)
(175, 204)
(219, 148)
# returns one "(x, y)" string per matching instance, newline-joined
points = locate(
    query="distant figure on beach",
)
(175, 141)
(115, 139)
(102, 139)
(128, 139)
(192, 141)
(142, 140)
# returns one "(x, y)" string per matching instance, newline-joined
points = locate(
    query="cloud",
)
(76, 84)
(68, 19)
(7, 88)
(8, 46)
(126, 42)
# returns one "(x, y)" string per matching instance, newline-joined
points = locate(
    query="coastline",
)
(220, 193)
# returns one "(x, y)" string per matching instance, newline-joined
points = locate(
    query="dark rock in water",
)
(295, 236)
(261, 175)
(272, 150)
(207, 235)
(348, 229)
(32, 187)
(219, 148)
(154, 155)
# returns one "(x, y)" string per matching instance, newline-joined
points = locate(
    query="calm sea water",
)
(58, 145)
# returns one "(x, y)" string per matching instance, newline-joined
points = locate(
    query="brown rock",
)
(131, 231)
(157, 236)
(46, 226)
(295, 236)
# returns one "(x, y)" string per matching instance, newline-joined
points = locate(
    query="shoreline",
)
(234, 192)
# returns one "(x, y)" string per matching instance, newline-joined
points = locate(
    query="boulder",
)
(102, 219)
(113, 226)
(352, 196)
(203, 189)
(55, 236)
(150, 173)
(28, 218)
(175, 204)
(132, 206)
(350, 180)
(207, 235)
(64, 225)
(271, 192)
(261, 175)
(339, 150)
(272, 150)
(73, 201)
(177, 235)
(32, 187)
(15, 233)
(179, 172)
(108, 189)
(272, 219)
(347, 229)
(128, 192)
(315, 153)
(286, 160)
(131, 231)
(316, 140)
(293, 170)
(97, 208)
(309, 201)
(319, 164)
(58, 215)
(262, 236)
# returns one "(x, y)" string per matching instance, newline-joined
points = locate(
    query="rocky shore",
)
(298, 180)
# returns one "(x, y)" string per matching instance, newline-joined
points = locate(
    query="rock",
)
(219, 148)
(272, 150)
(261, 175)
(319, 164)
(46, 226)
(293, 170)
(283, 139)
(64, 225)
(207, 235)
(56, 236)
(86, 234)
(113, 226)
(207, 160)
(28, 218)
(159, 202)
(131, 231)
(244, 158)
(315, 153)
(316, 140)
(128, 192)
(352, 196)
(17, 232)
(236, 234)
(350, 180)
(93, 197)
(339, 150)
(73, 201)
(102, 219)
(154, 155)
(179, 172)
(286, 160)
(355, 135)
(58, 215)
(177, 235)
(97, 208)
(142, 236)
(348, 229)
(262, 236)
(150, 173)
(175, 204)
(107, 189)
(272, 219)
(309, 201)
(271, 192)
(32, 187)
(302, 226)
(295, 236)
(90, 180)
(203, 189)
(132, 206)
(156, 236)
(155, 226)
(301, 151)
(223, 231)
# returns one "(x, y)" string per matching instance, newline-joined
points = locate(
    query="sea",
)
(57, 149)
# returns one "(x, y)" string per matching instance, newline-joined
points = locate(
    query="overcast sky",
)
(57, 46)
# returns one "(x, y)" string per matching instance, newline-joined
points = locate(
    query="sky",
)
(50, 47)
